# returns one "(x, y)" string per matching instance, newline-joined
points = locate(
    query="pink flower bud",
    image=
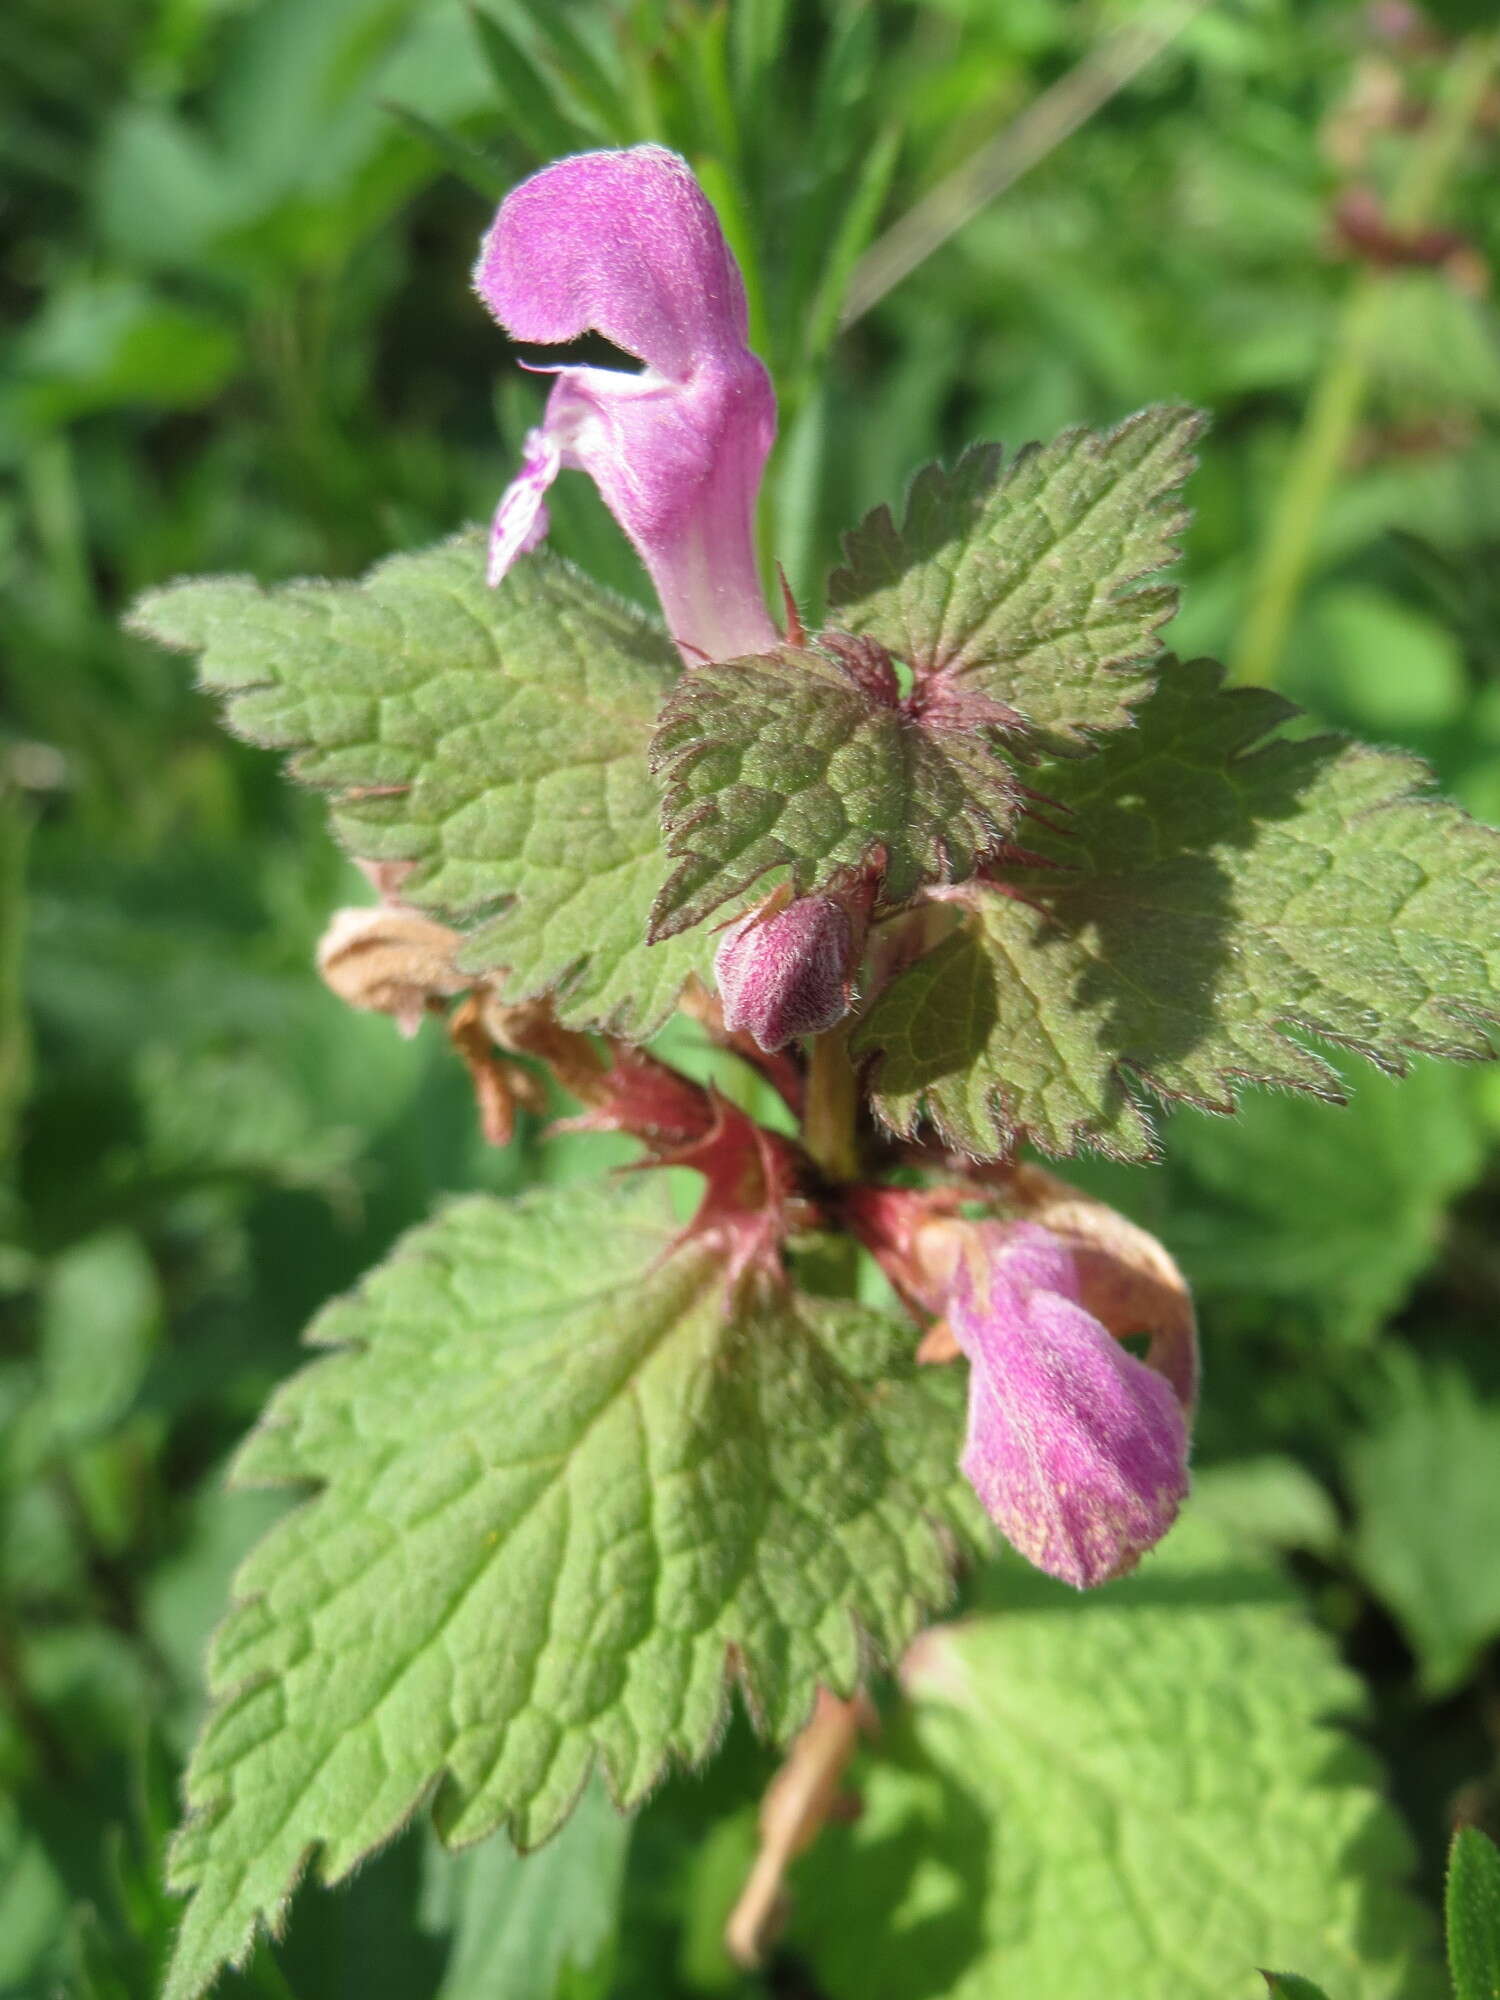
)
(786, 972)
(1077, 1450)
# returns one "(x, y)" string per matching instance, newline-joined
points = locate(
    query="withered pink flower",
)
(626, 244)
(1077, 1450)
(784, 972)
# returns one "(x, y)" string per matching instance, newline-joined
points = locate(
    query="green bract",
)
(1422, 1479)
(563, 1505)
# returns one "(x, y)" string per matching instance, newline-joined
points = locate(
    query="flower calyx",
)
(754, 1195)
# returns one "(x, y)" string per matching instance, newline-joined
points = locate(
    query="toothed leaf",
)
(1216, 895)
(788, 760)
(1028, 582)
(496, 738)
(560, 1501)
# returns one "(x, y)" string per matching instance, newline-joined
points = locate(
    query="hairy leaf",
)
(788, 759)
(619, 1495)
(1133, 1791)
(1027, 582)
(1214, 895)
(495, 738)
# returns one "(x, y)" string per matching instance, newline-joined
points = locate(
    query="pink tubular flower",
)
(1077, 1450)
(627, 245)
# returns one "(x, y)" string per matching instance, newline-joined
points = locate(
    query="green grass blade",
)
(853, 236)
(529, 97)
(598, 91)
(472, 167)
(1473, 1912)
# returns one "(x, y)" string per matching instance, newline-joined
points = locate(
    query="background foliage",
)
(237, 335)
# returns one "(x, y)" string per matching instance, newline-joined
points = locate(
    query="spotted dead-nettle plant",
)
(974, 870)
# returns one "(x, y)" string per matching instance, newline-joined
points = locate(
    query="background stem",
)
(1321, 448)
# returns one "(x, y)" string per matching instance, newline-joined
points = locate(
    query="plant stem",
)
(1322, 445)
(828, 1123)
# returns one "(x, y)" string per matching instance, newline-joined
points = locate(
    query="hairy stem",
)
(828, 1123)
(1322, 445)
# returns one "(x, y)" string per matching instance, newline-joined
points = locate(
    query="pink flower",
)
(626, 244)
(784, 971)
(1077, 1450)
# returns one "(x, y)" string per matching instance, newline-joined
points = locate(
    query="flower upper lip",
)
(622, 243)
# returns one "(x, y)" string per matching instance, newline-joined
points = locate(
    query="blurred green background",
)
(236, 334)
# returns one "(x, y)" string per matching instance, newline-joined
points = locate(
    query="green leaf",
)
(533, 1926)
(100, 1319)
(1214, 895)
(1291, 1986)
(1473, 1911)
(496, 738)
(620, 1496)
(1328, 1221)
(1269, 1501)
(1131, 1791)
(1422, 1480)
(33, 1905)
(1027, 583)
(1288, 1221)
(789, 760)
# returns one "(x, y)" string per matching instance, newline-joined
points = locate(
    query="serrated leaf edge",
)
(932, 481)
(1412, 783)
(478, 915)
(678, 1753)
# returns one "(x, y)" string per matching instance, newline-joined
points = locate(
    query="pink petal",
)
(1077, 1450)
(520, 521)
